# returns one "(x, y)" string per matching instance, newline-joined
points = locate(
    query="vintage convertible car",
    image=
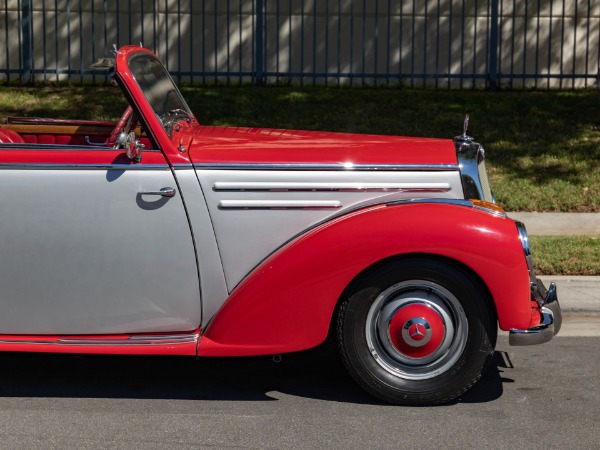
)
(160, 236)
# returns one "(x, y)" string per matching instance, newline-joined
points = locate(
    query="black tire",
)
(417, 331)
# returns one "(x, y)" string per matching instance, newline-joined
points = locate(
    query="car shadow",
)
(490, 386)
(314, 374)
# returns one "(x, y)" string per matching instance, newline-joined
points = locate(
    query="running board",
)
(135, 344)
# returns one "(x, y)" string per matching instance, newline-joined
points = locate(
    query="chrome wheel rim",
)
(416, 329)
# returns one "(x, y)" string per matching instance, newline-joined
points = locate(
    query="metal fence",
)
(439, 43)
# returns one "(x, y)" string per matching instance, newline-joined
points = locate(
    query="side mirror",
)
(133, 147)
(123, 139)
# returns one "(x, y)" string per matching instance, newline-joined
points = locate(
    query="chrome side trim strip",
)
(135, 340)
(179, 166)
(61, 147)
(449, 201)
(279, 204)
(336, 166)
(337, 187)
(130, 341)
(43, 166)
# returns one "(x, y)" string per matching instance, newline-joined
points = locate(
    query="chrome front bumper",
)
(551, 318)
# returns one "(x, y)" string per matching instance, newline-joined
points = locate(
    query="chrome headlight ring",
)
(524, 238)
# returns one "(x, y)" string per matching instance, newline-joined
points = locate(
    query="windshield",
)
(160, 90)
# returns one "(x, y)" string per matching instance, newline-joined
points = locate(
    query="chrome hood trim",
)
(337, 166)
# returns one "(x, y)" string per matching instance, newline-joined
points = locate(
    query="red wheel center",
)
(416, 330)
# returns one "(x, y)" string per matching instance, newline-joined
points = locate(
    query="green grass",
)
(566, 255)
(543, 148)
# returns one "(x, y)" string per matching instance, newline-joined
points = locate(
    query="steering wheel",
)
(127, 122)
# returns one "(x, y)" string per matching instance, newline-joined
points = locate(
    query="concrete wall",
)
(438, 42)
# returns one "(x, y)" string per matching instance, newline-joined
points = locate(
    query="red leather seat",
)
(10, 136)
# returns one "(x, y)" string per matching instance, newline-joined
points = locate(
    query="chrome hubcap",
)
(416, 329)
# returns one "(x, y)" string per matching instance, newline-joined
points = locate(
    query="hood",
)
(234, 145)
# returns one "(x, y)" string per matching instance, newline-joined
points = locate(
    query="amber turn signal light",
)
(488, 205)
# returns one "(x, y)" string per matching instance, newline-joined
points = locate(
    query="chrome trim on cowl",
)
(279, 204)
(329, 186)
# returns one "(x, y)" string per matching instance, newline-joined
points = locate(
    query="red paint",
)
(51, 344)
(57, 139)
(214, 145)
(84, 155)
(416, 331)
(287, 303)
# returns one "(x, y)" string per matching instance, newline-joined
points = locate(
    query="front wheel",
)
(416, 331)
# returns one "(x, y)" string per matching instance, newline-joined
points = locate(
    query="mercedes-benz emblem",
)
(416, 332)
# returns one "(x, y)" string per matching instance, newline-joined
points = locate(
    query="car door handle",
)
(164, 192)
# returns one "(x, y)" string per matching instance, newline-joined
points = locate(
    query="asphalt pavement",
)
(576, 294)
(537, 397)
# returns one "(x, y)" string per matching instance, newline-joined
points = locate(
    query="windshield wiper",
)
(171, 117)
(177, 111)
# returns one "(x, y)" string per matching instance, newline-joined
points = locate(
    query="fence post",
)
(493, 67)
(260, 43)
(26, 32)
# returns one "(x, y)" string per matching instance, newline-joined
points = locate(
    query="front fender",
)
(286, 304)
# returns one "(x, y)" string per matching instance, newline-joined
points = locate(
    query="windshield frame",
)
(159, 90)
(174, 148)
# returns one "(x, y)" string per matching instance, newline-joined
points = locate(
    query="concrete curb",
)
(556, 224)
(580, 295)
(576, 294)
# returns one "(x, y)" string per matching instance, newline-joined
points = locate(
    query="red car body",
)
(287, 297)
